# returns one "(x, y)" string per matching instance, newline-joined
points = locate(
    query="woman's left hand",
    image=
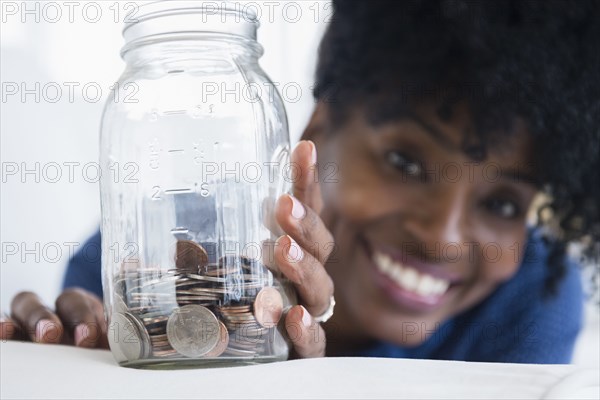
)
(301, 254)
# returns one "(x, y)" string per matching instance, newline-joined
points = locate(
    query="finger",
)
(81, 313)
(305, 180)
(9, 330)
(35, 319)
(305, 226)
(98, 308)
(313, 284)
(306, 335)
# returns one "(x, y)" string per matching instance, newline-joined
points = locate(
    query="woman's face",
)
(422, 231)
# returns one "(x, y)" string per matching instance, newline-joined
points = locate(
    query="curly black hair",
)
(538, 61)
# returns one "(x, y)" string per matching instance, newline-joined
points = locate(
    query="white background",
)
(42, 220)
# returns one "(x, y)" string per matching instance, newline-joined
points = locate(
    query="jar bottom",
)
(199, 363)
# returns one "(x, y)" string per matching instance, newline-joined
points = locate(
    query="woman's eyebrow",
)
(519, 176)
(433, 132)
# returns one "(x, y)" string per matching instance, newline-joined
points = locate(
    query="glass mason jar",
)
(200, 137)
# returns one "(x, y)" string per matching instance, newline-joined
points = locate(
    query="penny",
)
(190, 255)
(164, 353)
(161, 338)
(268, 307)
(192, 330)
(222, 344)
(160, 305)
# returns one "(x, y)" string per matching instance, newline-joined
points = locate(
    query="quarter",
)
(193, 330)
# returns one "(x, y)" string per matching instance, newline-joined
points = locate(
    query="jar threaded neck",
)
(176, 19)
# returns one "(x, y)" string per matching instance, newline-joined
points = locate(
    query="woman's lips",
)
(411, 283)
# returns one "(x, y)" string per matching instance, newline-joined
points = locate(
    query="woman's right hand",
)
(78, 320)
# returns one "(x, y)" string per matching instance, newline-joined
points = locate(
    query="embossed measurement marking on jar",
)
(178, 191)
(174, 112)
(198, 188)
(198, 152)
(180, 230)
(154, 153)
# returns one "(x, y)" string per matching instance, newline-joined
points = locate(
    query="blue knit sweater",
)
(516, 323)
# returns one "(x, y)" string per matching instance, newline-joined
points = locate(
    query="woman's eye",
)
(504, 208)
(404, 164)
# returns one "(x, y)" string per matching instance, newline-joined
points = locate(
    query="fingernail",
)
(42, 328)
(295, 253)
(306, 318)
(314, 152)
(80, 334)
(298, 210)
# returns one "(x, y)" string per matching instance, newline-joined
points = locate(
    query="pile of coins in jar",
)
(196, 310)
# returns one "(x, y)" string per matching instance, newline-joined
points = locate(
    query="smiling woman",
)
(445, 120)
(415, 243)
(437, 124)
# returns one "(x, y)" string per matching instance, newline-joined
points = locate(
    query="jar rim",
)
(190, 16)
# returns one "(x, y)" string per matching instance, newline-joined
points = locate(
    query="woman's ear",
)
(317, 125)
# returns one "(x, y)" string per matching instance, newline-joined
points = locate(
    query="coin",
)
(222, 344)
(190, 255)
(268, 307)
(205, 278)
(143, 335)
(193, 330)
(119, 304)
(239, 352)
(164, 353)
(124, 338)
(239, 290)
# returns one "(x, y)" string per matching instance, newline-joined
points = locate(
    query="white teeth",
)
(387, 264)
(427, 285)
(409, 278)
(396, 273)
(441, 286)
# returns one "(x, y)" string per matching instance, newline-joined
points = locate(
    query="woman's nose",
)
(443, 221)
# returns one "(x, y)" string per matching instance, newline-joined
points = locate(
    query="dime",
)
(190, 255)
(193, 330)
(223, 342)
(268, 307)
(166, 313)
